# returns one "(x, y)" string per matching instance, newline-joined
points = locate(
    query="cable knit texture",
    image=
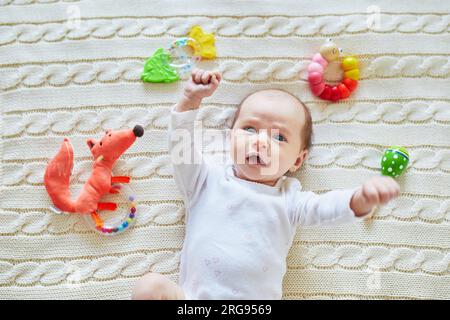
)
(69, 77)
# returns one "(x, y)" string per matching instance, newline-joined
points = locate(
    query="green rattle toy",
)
(394, 161)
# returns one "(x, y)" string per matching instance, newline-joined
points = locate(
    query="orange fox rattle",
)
(106, 151)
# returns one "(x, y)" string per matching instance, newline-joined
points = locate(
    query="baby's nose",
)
(262, 140)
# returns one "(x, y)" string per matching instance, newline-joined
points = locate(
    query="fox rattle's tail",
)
(57, 177)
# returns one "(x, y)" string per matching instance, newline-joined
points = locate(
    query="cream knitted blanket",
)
(71, 69)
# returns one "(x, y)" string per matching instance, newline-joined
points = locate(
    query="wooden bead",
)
(335, 94)
(317, 89)
(350, 84)
(349, 63)
(329, 51)
(352, 74)
(326, 94)
(315, 78)
(315, 67)
(345, 93)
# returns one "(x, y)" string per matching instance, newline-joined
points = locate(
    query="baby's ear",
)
(299, 161)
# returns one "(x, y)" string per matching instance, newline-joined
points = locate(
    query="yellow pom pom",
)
(349, 63)
(352, 74)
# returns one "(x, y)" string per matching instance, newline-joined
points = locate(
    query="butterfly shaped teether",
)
(206, 43)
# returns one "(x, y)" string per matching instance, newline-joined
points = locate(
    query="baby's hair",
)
(307, 130)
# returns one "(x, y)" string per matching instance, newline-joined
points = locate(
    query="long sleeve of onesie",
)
(189, 168)
(331, 208)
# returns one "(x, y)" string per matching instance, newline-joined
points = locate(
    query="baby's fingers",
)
(387, 188)
(214, 82)
(206, 77)
(194, 72)
(384, 192)
(393, 187)
(197, 76)
(218, 76)
(370, 193)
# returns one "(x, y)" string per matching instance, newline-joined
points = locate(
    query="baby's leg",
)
(154, 286)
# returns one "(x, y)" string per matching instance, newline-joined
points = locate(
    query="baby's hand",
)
(202, 84)
(376, 191)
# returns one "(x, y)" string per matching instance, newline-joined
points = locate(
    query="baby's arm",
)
(187, 160)
(342, 206)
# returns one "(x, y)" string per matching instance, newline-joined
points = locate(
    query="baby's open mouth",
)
(254, 158)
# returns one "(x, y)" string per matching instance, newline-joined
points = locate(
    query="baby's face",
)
(266, 139)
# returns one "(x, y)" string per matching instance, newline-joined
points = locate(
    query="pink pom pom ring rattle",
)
(329, 52)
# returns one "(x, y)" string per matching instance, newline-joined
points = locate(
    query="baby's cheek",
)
(276, 156)
(281, 158)
(237, 146)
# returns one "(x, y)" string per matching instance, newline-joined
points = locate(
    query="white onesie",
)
(238, 232)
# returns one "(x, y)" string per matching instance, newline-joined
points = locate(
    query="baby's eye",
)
(280, 137)
(250, 129)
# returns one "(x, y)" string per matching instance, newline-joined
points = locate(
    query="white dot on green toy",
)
(394, 161)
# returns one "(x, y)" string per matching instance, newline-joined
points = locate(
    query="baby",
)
(241, 217)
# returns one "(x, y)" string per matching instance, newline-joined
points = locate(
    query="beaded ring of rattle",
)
(179, 59)
(96, 222)
(329, 52)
